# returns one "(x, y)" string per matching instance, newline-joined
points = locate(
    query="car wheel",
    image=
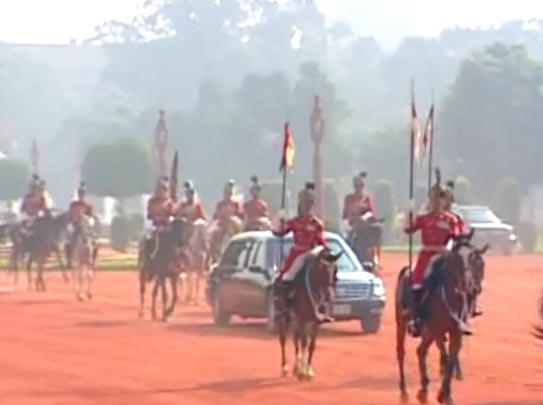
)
(220, 316)
(370, 324)
(271, 323)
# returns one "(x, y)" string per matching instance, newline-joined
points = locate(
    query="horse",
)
(42, 239)
(312, 290)
(538, 330)
(83, 250)
(161, 259)
(221, 234)
(444, 304)
(197, 251)
(365, 237)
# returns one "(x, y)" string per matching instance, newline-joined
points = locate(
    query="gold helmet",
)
(307, 195)
(449, 191)
(82, 189)
(229, 186)
(255, 186)
(437, 190)
(359, 179)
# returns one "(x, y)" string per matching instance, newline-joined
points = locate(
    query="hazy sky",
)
(56, 21)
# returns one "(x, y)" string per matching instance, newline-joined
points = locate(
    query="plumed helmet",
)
(360, 178)
(82, 187)
(255, 186)
(437, 190)
(307, 194)
(229, 186)
(188, 185)
(449, 190)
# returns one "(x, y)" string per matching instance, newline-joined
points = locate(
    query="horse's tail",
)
(402, 273)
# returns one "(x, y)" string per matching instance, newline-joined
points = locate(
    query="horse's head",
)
(459, 270)
(476, 264)
(327, 267)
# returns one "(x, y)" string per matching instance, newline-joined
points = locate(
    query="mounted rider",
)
(35, 203)
(228, 209)
(437, 228)
(308, 234)
(357, 204)
(191, 208)
(81, 214)
(257, 214)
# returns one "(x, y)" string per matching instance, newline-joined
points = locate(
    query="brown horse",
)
(312, 289)
(445, 306)
(538, 330)
(83, 251)
(160, 259)
(37, 244)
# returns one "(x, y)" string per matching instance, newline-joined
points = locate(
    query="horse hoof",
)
(89, 296)
(442, 398)
(80, 297)
(422, 397)
(310, 373)
(404, 398)
(459, 377)
(284, 371)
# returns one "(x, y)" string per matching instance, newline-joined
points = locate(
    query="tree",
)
(493, 111)
(14, 178)
(119, 169)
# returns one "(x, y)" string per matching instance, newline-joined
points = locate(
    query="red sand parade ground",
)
(54, 350)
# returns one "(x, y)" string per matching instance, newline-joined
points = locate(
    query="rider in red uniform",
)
(79, 210)
(437, 228)
(359, 202)
(34, 201)
(256, 209)
(449, 201)
(160, 207)
(191, 207)
(228, 207)
(308, 233)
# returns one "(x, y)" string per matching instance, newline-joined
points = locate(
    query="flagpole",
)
(411, 175)
(431, 146)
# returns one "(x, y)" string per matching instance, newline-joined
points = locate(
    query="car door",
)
(231, 274)
(259, 280)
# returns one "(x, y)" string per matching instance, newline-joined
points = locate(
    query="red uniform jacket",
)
(228, 208)
(79, 209)
(191, 211)
(159, 210)
(460, 224)
(33, 204)
(256, 209)
(436, 232)
(355, 205)
(308, 232)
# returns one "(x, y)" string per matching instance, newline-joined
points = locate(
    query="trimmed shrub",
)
(135, 226)
(527, 234)
(120, 233)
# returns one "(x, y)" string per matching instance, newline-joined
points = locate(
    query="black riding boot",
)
(416, 323)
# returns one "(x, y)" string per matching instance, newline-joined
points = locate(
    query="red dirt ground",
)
(54, 350)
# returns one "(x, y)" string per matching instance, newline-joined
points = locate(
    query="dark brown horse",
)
(37, 244)
(365, 237)
(160, 259)
(445, 313)
(538, 330)
(313, 287)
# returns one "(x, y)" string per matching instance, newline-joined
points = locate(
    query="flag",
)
(415, 128)
(428, 136)
(287, 158)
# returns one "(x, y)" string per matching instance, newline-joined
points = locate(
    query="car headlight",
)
(378, 288)
(513, 237)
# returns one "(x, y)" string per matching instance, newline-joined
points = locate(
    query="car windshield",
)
(345, 263)
(479, 216)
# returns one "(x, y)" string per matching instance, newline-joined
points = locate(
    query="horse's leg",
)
(296, 371)
(401, 331)
(29, 271)
(440, 343)
(164, 294)
(171, 308)
(154, 297)
(455, 344)
(422, 353)
(312, 346)
(304, 343)
(282, 324)
(41, 267)
(142, 292)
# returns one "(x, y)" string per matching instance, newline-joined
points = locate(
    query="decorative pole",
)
(35, 156)
(161, 144)
(317, 127)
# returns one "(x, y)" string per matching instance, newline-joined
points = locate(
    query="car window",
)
(346, 262)
(236, 253)
(479, 216)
